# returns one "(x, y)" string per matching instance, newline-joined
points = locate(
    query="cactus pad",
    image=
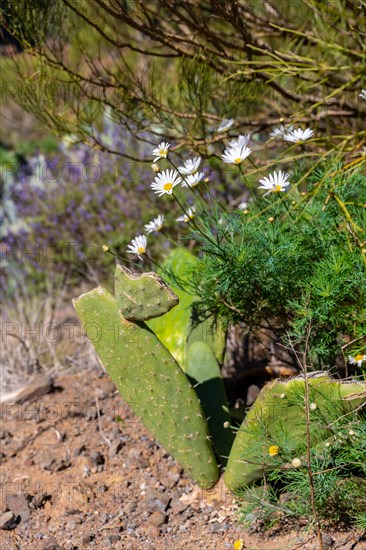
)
(278, 416)
(142, 296)
(151, 382)
(204, 373)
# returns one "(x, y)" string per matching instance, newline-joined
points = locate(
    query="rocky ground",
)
(78, 470)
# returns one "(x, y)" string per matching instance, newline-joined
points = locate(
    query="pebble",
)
(155, 501)
(56, 464)
(51, 544)
(79, 450)
(88, 538)
(96, 458)
(327, 541)
(153, 531)
(157, 519)
(115, 448)
(5, 434)
(91, 413)
(8, 521)
(178, 506)
(114, 538)
(19, 505)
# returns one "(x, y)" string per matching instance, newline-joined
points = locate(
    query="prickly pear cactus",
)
(142, 296)
(204, 373)
(278, 416)
(151, 382)
(175, 330)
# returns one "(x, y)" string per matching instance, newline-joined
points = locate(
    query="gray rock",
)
(8, 521)
(155, 501)
(178, 506)
(19, 505)
(97, 459)
(56, 464)
(115, 448)
(51, 544)
(91, 413)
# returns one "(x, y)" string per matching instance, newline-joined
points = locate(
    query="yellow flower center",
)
(168, 186)
(359, 357)
(277, 188)
(237, 161)
(273, 450)
(140, 250)
(163, 152)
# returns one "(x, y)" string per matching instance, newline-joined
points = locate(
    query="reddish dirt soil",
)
(78, 470)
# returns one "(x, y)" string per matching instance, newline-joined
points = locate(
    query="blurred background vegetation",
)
(89, 88)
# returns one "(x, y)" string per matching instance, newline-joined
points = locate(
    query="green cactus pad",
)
(142, 296)
(278, 417)
(174, 330)
(204, 373)
(151, 382)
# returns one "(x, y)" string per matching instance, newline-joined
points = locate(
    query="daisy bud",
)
(296, 462)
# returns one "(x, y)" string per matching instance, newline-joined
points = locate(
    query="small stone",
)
(327, 541)
(51, 544)
(215, 527)
(56, 464)
(29, 462)
(157, 519)
(91, 413)
(114, 538)
(88, 538)
(19, 505)
(79, 450)
(5, 434)
(97, 459)
(178, 506)
(153, 531)
(156, 501)
(115, 448)
(8, 521)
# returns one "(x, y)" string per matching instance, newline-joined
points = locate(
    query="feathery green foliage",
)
(291, 263)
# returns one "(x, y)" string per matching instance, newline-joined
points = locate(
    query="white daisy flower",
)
(236, 155)
(188, 216)
(275, 183)
(155, 225)
(298, 135)
(225, 125)
(362, 95)
(281, 131)
(161, 151)
(138, 246)
(193, 179)
(190, 166)
(357, 360)
(240, 141)
(165, 182)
